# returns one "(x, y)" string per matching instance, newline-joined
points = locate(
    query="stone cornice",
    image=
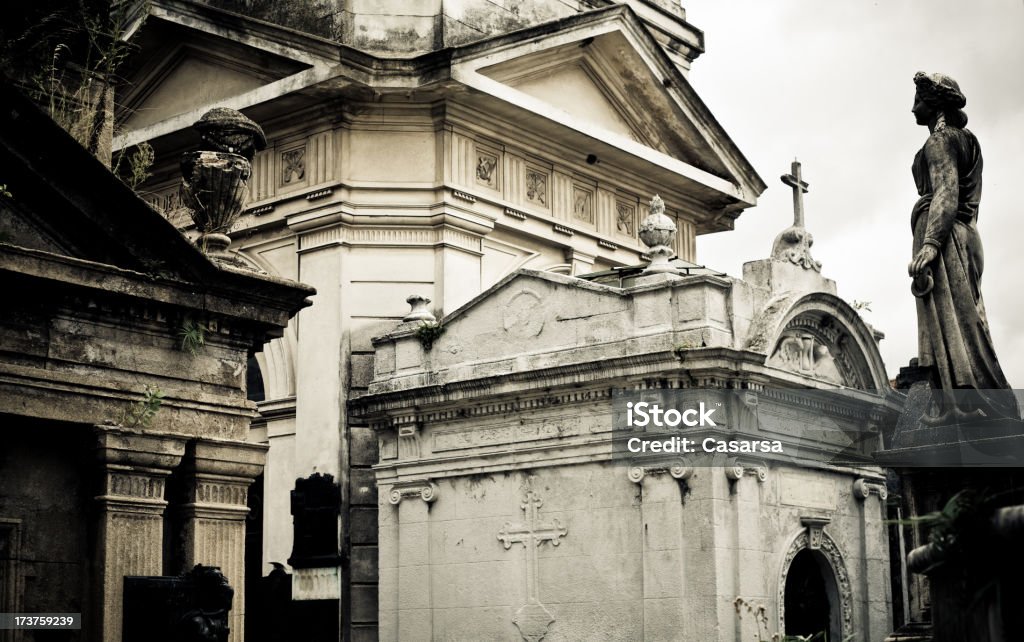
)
(107, 281)
(54, 394)
(514, 383)
(726, 368)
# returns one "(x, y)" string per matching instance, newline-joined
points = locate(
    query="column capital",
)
(239, 459)
(864, 488)
(425, 489)
(218, 475)
(116, 446)
(637, 474)
(736, 467)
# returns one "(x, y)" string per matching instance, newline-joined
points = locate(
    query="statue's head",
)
(938, 94)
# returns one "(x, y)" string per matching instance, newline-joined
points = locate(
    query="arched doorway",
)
(807, 604)
(814, 588)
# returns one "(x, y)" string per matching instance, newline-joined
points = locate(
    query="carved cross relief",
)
(532, 619)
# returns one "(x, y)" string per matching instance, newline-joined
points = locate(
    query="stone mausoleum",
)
(503, 512)
(479, 157)
(125, 451)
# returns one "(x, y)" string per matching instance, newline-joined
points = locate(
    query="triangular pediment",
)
(577, 89)
(532, 311)
(189, 82)
(182, 65)
(605, 77)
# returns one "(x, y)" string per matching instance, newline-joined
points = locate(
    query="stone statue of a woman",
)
(954, 342)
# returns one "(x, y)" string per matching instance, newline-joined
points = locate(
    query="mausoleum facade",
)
(505, 512)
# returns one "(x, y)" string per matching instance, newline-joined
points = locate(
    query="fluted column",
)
(130, 527)
(217, 476)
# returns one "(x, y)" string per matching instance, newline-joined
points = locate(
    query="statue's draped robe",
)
(953, 334)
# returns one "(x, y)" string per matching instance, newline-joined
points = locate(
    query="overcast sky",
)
(831, 83)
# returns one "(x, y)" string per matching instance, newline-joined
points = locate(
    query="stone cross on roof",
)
(799, 189)
(793, 244)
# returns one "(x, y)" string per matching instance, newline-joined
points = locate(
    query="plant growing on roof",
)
(428, 333)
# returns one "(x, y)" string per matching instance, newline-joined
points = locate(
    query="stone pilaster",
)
(217, 476)
(130, 525)
(661, 509)
(414, 607)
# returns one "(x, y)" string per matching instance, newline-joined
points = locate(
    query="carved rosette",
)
(215, 178)
(657, 232)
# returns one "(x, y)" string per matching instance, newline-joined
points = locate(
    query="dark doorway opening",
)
(807, 598)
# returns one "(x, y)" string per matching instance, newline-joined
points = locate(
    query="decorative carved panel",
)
(487, 169)
(537, 187)
(293, 166)
(625, 218)
(820, 348)
(582, 204)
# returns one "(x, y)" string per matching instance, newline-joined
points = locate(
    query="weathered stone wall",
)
(659, 559)
(317, 17)
(512, 402)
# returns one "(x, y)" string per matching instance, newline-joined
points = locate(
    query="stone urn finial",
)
(657, 231)
(216, 177)
(419, 311)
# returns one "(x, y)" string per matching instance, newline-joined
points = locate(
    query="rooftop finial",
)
(657, 231)
(794, 243)
(419, 311)
(215, 177)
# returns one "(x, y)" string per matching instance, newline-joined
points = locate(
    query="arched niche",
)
(819, 336)
(813, 549)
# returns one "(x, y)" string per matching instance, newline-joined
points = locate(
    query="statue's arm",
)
(942, 168)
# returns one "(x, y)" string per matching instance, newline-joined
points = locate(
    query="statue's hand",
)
(921, 260)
